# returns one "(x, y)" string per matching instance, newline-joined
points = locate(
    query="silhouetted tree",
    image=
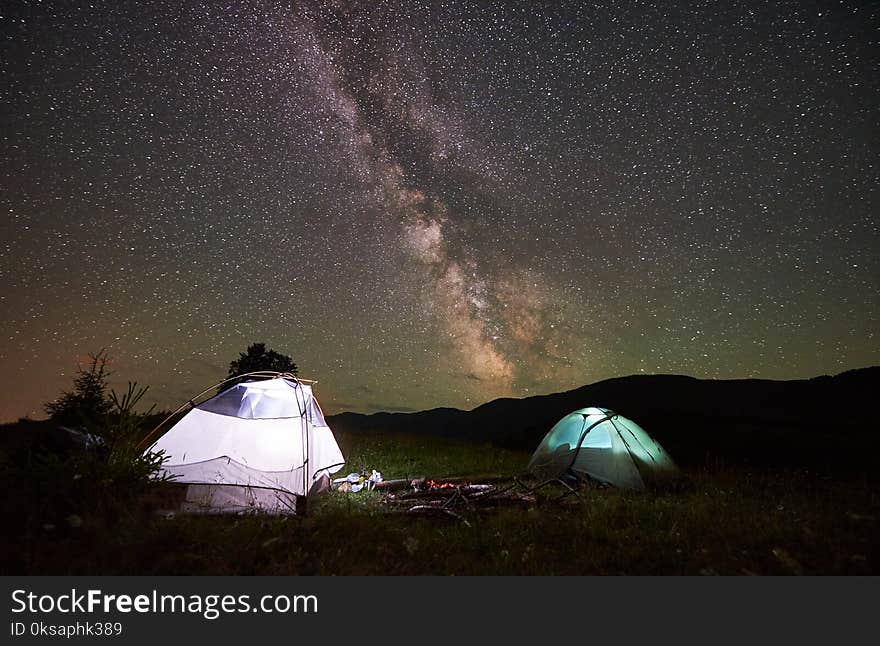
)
(87, 404)
(256, 358)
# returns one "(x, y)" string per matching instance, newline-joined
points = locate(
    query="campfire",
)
(446, 497)
(432, 484)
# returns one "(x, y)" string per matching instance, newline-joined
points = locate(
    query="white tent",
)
(600, 444)
(258, 446)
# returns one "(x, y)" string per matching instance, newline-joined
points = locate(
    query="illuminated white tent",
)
(258, 446)
(599, 444)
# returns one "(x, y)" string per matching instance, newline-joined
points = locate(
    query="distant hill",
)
(823, 422)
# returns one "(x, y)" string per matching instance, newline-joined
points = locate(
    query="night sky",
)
(436, 203)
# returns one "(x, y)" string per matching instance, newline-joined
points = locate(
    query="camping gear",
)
(257, 446)
(598, 443)
(354, 482)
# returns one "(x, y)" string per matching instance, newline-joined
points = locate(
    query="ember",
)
(432, 484)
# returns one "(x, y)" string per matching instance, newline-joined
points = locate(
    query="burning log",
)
(440, 496)
(419, 482)
(445, 497)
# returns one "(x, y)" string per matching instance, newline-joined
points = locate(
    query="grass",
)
(409, 456)
(729, 521)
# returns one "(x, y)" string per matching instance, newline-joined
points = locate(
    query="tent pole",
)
(577, 450)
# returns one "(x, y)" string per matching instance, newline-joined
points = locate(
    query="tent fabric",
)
(257, 445)
(268, 399)
(206, 499)
(598, 443)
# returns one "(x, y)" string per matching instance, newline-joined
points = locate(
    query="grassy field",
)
(728, 521)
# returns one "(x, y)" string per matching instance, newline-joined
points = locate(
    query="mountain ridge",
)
(740, 419)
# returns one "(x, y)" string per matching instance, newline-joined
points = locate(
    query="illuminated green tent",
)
(599, 444)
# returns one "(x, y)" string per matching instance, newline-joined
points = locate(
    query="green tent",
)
(600, 444)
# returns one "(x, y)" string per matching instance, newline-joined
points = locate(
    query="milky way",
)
(435, 204)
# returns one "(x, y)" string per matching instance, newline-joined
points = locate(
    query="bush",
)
(85, 495)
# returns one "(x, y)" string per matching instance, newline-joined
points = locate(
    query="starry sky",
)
(436, 203)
